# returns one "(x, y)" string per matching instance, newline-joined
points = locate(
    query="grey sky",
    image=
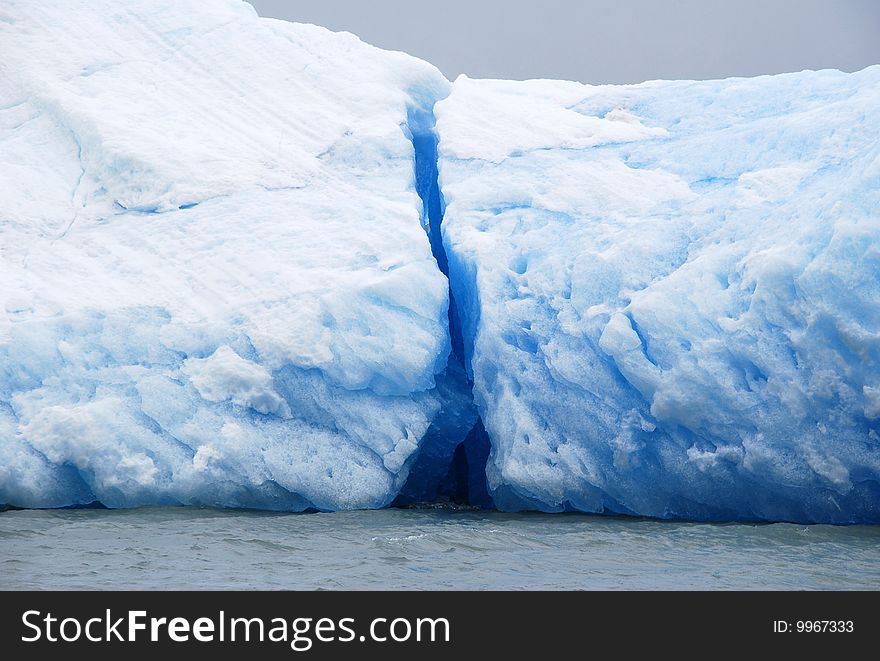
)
(608, 41)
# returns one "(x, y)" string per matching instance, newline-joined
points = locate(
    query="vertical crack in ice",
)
(424, 141)
(74, 195)
(421, 124)
(451, 464)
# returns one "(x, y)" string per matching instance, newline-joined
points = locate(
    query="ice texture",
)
(222, 258)
(216, 286)
(670, 292)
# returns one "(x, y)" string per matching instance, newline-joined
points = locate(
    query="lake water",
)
(184, 548)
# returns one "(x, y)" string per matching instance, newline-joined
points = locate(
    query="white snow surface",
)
(670, 293)
(215, 285)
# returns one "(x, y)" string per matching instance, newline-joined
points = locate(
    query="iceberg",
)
(217, 288)
(669, 292)
(257, 264)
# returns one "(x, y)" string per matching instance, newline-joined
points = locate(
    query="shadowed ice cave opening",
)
(451, 463)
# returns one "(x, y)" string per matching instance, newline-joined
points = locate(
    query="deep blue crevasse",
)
(447, 468)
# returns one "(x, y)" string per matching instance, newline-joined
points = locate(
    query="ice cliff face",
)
(216, 287)
(222, 253)
(670, 292)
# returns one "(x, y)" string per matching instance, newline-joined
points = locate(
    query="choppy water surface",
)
(181, 548)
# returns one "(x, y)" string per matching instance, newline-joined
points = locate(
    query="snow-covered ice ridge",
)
(218, 283)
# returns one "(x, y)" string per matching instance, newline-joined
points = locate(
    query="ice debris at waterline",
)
(219, 288)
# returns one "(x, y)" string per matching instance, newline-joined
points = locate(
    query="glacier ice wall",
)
(223, 250)
(669, 292)
(216, 289)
